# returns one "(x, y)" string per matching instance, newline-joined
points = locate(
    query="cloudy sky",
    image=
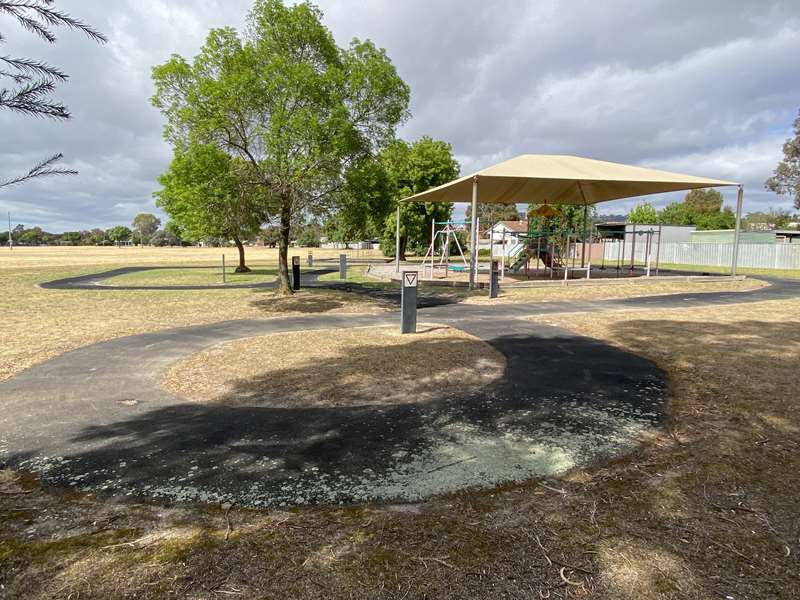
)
(709, 88)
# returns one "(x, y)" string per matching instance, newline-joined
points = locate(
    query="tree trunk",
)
(403, 241)
(284, 287)
(242, 268)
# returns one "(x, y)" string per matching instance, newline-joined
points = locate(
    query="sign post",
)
(494, 279)
(408, 302)
(295, 273)
(223, 269)
(343, 266)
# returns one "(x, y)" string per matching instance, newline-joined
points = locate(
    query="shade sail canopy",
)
(555, 179)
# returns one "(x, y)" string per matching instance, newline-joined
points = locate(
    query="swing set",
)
(445, 235)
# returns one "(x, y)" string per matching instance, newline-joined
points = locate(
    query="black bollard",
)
(494, 279)
(408, 302)
(310, 260)
(343, 266)
(295, 273)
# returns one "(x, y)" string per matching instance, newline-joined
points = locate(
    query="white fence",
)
(759, 256)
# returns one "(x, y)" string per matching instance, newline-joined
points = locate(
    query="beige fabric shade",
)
(555, 179)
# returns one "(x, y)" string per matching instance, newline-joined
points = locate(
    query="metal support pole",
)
(408, 302)
(223, 269)
(494, 279)
(583, 247)
(473, 251)
(343, 266)
(397, 241)
(505, 256)
(296, 273)
(10, 239)
(736, 235)
(658, 249)
(633, 248)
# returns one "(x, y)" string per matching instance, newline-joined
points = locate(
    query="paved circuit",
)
(96, 418)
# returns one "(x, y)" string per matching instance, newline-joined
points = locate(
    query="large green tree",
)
(701, 208)
(206, 194)
(786, 177)
(414, 168)
(145, 225)
(287, 100)
(644, 214)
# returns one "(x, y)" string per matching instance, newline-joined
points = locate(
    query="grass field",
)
(706, 510)
(194, 276)
(39, 324)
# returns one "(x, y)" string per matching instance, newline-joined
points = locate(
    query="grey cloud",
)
(705, 87)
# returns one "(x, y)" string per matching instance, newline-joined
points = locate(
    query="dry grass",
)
(706, 510)
(39, 324)
(608, 290)
(353, 367)
(337, 368)
(74, 257)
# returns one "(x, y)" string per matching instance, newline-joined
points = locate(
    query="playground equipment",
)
(553, 247)
(444, 234)
(628, 235)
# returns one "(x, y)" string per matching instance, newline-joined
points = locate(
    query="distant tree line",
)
(704, 210)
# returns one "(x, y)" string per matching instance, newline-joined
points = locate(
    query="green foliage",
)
(701, 208)
(491, 214)
(72, 237)
(786, 177)
(414, 168)
(309, 237)
(205, 194)
(644, 214)
(288, 102)
(120, 233)
(704, 201)
(145, 225)
(771, 219)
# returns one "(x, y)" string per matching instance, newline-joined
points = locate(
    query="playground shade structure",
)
(561, 179)
(554, 179)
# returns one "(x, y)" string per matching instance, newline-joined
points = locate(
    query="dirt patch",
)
(338, 368)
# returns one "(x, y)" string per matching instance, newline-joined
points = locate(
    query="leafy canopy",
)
(786, 177)
(285, 99)
(203, 193)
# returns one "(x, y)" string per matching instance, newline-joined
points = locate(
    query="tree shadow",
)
(566, 398)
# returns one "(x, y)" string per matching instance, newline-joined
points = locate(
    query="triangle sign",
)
(410, 278)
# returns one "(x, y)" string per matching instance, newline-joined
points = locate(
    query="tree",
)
(643, 214)
(491, 214)
(32, 237)
(704, 201)
(365, 201)
(71, 237)
(701, 208)
(205, 194)
(309, 237)
(414, 168)
(289, 102)
(31, 82)
(786, 177)
(118, 234)
(145, 225)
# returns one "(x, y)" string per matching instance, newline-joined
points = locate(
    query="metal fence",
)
(758, 256)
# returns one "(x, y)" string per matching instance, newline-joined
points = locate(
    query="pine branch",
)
(28, 68)
(29, 100)
(43, 169)
(38, 17)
